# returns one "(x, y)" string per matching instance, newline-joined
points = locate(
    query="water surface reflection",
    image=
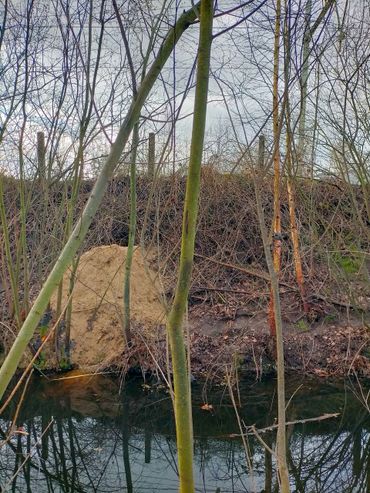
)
(82, 435)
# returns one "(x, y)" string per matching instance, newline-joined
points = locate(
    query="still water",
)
(88, 435)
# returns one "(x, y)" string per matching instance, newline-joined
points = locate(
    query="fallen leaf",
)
(207, 407)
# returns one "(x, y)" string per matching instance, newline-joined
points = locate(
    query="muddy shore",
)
(220, 347)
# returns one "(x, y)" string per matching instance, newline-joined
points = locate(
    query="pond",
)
(93, 434)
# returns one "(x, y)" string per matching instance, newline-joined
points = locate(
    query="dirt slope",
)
(96, 327)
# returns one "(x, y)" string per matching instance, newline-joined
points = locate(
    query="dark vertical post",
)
(261, 151)
(151, 155)
(41, 156)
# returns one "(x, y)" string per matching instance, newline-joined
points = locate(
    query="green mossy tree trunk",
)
(131, 238)
(78, 234)
(182, 397)
(126, 321)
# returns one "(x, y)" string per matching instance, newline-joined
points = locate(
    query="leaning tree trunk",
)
(182, 399)
(78, 234)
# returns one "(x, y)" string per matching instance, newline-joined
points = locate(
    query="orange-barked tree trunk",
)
(276, 227)
(290, 172)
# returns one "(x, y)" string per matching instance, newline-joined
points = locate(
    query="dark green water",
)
(84, 435)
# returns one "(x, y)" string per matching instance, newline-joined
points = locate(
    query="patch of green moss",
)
(302, 325)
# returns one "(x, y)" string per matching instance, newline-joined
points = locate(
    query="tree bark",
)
(283, 472)
(182, 397)
(131, 238)
(276, 131)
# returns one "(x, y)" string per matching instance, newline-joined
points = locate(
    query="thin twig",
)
(28, 456)
(253, 429)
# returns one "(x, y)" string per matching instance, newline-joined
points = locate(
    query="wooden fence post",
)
(151, 155)
(261, 151)
(41, 167)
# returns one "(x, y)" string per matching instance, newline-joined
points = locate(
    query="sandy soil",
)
(97, 309)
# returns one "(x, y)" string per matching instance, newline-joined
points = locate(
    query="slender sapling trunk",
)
(182, 398)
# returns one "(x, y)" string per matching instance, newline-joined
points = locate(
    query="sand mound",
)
(96, 324)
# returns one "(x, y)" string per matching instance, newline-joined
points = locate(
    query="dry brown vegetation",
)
(230, 289)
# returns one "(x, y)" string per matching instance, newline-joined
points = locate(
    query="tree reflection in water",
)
(85, 437)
